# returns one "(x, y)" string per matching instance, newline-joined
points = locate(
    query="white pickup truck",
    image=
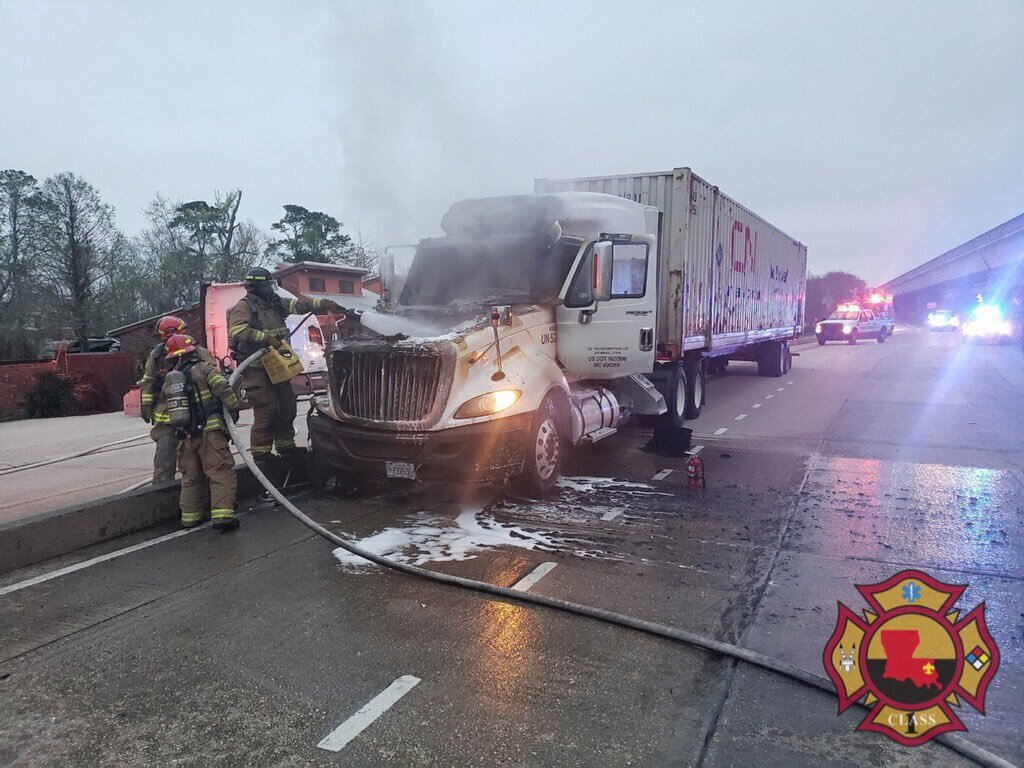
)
(851, 324)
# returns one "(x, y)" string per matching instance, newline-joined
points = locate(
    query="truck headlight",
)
(486, 405)
(847, 328)
(817, 328)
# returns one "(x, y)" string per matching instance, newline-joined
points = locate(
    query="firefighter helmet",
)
(168, 325)
(180, 344)
(257, 276)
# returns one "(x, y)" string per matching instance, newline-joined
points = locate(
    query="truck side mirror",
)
(387, 272)
(602, 261)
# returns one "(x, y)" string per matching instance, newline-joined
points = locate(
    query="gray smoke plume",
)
(415, 138)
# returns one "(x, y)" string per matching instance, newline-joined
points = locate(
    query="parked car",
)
(76, 346)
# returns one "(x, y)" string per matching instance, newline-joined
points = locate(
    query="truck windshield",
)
(499, 269)
(844, 316)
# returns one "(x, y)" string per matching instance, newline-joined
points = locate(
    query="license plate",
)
(402, 469)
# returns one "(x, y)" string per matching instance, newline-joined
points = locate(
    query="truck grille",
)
(387, 385)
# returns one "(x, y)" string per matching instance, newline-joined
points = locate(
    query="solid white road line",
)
(695, 450)
(756, 405)
(611, 514)
(336, 740)
(662, 475)
(741, 417)
(721, 430)
(96, 560)
(533, 577)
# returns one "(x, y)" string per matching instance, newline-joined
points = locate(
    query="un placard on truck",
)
(728, 280)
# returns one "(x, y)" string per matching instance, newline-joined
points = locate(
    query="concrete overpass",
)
(992, 264)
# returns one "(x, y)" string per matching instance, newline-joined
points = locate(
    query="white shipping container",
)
(727, 277)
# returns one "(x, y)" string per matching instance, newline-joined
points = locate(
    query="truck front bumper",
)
(474, 453)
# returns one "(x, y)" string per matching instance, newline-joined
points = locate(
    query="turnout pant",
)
(273, 412)
(165, 459)
(207, 477)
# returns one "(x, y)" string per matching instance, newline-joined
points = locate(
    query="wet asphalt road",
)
(249, 649)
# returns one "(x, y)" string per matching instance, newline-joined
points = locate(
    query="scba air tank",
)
(178, 411)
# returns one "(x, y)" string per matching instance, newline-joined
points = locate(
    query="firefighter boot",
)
(223, 520)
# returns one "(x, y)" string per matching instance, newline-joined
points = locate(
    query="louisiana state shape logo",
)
(912, 658)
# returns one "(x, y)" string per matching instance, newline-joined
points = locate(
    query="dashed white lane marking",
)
(741, 417)
(662, 475)
(96, 560)
(756, 405)
(768, 397)
(721, 430)
(780, 389)
(533, 577)
(611, 514)
(695, 450)
(336, 740)
(790, 382)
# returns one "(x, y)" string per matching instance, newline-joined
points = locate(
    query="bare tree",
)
(361, 253)
(76, 232)
(18, 193)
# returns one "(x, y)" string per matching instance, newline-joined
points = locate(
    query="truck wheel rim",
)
(546, 449)
(681, 397)
(698, 391)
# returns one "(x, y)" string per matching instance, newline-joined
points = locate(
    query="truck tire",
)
(675, 392)
(882, 334)
(787, 358)
(545, 450)
(770, 359)
(694, 377)
(853, 337)
(821, 341)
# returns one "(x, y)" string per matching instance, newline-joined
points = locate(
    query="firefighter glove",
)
(147, 412)
(274, 342)
(235, 414)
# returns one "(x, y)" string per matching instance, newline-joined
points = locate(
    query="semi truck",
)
(542, 322)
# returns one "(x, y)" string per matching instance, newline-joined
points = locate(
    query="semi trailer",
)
(542, 322)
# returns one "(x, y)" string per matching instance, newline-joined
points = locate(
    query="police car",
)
(850, 323)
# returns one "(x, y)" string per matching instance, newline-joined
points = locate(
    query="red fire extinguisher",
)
(695, 473)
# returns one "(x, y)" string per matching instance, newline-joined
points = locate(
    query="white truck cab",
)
(525, 330)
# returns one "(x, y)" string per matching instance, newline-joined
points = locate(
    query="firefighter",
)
(258, 321)
(154, 410)
(204, 454)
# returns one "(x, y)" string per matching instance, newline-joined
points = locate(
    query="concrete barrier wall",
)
(52, 534)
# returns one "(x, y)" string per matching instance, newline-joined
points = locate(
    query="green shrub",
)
(51, 395)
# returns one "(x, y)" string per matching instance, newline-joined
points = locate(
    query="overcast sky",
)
(880, 134)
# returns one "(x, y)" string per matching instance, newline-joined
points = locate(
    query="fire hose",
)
(961, 746)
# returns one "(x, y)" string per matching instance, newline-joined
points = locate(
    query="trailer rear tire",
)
(545, 451)
(694, 377)
(787, 358)
(882, 334)
(770, 359)
(853, 337)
